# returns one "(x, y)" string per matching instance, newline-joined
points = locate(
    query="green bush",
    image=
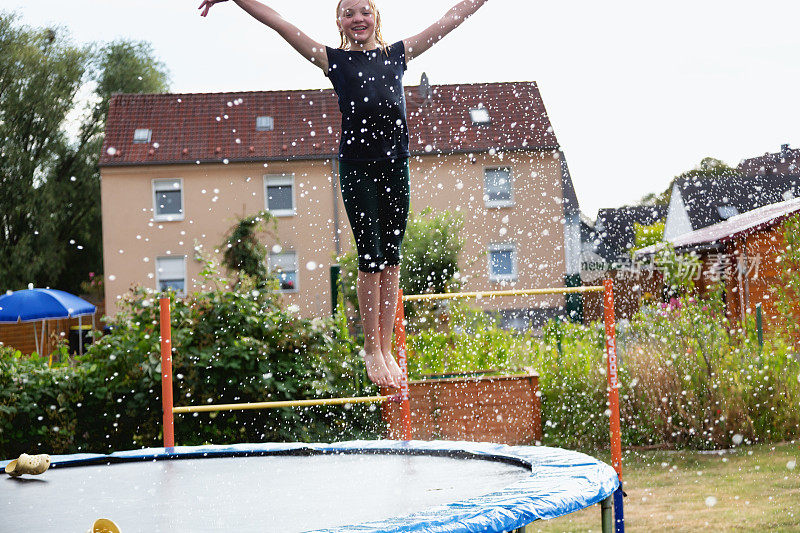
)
(473, 342)
(230, 346)
(686, 378)
(431, 246)
(701, 381)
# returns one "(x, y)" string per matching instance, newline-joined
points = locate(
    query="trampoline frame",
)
(402, 398)
(507, 509)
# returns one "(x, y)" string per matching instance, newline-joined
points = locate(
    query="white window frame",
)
(280, 180)
(265, 123)
(480, 116)
(165, 184)
(296, 269)
(499, 203)
(182, 258)
(140, 137)
(503, 247)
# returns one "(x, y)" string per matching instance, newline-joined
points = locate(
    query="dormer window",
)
(265, 124)
(480, 116)
(142, 135)
(727, 211)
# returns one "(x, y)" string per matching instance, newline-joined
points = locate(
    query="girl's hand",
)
(207, 5)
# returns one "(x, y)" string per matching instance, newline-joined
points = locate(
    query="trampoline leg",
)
(607, 515)
(619, 517)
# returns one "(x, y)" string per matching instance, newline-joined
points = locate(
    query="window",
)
(265, 124)
(171, 273)
(727, 211)
(479, 116)
(168, 199)
(503, 262)
(142, 135)
(279, 194)
(284, 265)
(497, 187)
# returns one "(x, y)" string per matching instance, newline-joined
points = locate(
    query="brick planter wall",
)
(502, 409)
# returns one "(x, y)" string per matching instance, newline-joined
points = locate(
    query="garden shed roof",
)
(735, 227)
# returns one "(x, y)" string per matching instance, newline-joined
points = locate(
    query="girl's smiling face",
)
(356, 20)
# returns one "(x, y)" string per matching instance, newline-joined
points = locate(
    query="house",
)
(741, 252)
(785, 163)
(607, 254)
(178, 170)
(614, 229)
(756, 182)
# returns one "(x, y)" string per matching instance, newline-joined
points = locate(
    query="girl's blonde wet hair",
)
(345, 44)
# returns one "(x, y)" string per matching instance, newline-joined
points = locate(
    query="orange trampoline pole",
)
(166, 373)
(400, 344)
(613, 399)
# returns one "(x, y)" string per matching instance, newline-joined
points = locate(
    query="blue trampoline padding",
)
(561, 481)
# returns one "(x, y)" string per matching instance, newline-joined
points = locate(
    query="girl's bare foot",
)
(392, 367)
(376, 369)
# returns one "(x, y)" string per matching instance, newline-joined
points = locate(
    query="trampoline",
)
(357, 486)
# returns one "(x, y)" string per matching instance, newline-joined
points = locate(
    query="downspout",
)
(572, 242)
(335, 197)
(335, 270)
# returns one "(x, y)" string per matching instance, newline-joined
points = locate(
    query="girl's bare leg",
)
(368, 291)
(390, 282)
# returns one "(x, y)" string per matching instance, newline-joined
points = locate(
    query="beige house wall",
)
(215, 196)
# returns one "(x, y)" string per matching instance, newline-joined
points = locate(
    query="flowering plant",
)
(94, 286)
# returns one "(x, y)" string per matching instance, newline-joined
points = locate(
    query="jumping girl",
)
(367, 74)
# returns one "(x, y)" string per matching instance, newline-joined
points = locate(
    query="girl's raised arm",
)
(451, 20)
(308, 48)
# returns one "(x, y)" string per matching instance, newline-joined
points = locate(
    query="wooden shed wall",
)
(21, 337)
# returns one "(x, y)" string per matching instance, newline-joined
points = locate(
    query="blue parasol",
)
(41, 304)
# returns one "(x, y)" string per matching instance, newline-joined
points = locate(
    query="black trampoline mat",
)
(281, 493)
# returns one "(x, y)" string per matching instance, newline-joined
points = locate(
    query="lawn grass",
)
(754, 488)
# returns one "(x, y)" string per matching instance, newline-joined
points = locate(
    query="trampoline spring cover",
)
(560, 481)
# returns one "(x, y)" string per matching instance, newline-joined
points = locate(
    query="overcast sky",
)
(637, 92)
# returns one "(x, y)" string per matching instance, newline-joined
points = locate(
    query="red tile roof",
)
(212, 127)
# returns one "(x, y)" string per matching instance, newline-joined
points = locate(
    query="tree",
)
(40, 75)
(646, 235)
(243, 253)
(708, 169)
(50, 226)
(431, 246)
(73, 186)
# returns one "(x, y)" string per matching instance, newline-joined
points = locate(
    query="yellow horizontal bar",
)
(274, 405)
(483, 294)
